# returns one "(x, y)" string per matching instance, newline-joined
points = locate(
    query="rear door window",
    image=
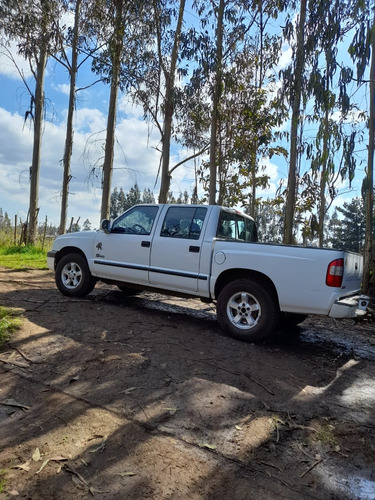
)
(183, 222)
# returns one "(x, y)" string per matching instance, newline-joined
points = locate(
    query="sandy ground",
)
(145, 397)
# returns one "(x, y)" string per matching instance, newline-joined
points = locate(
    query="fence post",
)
(15, 229)
(44, 233)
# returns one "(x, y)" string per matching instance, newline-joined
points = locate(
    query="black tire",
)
(129, 292)
(247, 310)
(73, 277)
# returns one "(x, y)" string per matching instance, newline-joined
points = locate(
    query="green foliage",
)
(348, 232)
(23, 257)
(269, 219)
(9, 323)
(121, 201)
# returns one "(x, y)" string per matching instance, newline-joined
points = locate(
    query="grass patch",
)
(326, 434)
(9, 323)
(2, 480)
(23, 257)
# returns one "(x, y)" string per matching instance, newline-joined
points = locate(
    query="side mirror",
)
(105, 225)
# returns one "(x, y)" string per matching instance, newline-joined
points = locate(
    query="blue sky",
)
(136, 159)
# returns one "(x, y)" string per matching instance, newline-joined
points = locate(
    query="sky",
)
(136, 156)
(136, 159)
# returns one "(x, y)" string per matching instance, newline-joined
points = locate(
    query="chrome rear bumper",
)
(350, 307)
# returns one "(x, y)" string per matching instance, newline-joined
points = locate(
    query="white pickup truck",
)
(211, 252)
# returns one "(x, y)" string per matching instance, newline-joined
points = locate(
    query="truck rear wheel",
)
(73, 277)
(247, 310)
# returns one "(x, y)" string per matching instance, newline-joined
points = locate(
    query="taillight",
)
(335, 273)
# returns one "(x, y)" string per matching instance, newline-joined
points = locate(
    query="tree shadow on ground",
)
(119, 388)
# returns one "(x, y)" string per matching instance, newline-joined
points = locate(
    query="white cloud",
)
(286, 57)
(135, 161)
(64, 88)
(354, 116)
(10, 60)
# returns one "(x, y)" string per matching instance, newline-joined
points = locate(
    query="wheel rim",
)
(244, 310)
(71, 275)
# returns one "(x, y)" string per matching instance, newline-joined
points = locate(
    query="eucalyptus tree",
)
(233, 56)
(222, 28)
(362, 51)
(247, 135)
(125, 63)
(72, 67)
(115, 51)
(77, 44)
(168, 53)
(34, 26)
(316, 78)
(265, 113)
(294, 77)
(157, 79)
(332, 151)
(257, 111)
(219, 12)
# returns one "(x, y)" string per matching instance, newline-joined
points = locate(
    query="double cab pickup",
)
(212, 253)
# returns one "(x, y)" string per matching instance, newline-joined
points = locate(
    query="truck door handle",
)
(145, 244)
(194, 249)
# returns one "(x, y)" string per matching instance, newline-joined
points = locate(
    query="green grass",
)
(9, 323)
(22, 257)
(2, 480)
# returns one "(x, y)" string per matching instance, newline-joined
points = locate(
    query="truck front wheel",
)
(247, 310)
(73, 277)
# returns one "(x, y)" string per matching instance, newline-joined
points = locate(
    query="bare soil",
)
(145, 397)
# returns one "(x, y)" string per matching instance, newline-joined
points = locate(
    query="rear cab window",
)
(183, 222)
(235, 226)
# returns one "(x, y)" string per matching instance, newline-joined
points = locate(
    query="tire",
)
(73, 277)
(128, 291)
(247, 310)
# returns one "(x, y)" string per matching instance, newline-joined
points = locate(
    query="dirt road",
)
(145, 397)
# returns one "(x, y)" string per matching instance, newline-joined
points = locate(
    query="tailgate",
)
(353, 270)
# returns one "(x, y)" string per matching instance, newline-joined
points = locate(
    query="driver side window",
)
(138, 220)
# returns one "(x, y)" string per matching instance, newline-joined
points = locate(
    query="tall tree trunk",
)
(259, 85)
(69, 125)
(169, 109)
(293, 159)
(112, 111)
(370, 170)
(324, 173)
(216, 102)
(37, 143)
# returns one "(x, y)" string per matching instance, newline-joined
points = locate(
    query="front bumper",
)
(51, 259)
(350, 307)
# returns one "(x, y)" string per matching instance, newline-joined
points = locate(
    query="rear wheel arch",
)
(236, 274)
